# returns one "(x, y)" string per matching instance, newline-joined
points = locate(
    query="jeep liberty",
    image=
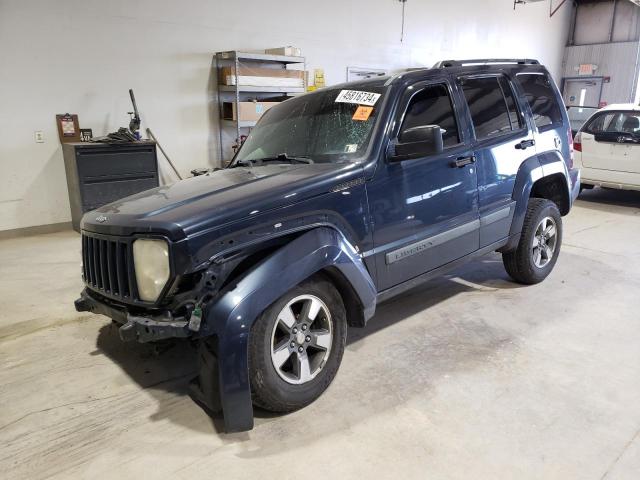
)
(338, 199)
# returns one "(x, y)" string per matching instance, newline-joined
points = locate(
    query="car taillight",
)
(571, 147)
(577, 144)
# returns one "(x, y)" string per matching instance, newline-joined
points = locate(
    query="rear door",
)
(502, 142)
(611, 141)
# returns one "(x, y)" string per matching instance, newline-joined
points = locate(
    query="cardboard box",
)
(244, 71)
(250, 82)
(288, 51)
(249, 111)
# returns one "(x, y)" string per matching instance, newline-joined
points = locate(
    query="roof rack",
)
(485, 61)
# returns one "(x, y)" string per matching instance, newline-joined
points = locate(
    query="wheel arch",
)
(232, 315)
(540, 176)
(352, 301)
(553, 187)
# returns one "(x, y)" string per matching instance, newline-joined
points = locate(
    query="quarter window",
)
(491, 105)
(541, 97)
(432, 106)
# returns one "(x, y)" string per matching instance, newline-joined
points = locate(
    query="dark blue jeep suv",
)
(338, 200)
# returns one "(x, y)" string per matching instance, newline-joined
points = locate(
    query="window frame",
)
(552, 125)
(406, 103)
(514, 93)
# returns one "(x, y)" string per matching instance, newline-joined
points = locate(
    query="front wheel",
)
(539, 245)
(296, 346)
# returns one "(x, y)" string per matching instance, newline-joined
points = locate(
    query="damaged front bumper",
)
(205, 388)
(141, 328)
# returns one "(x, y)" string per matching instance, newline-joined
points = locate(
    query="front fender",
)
(231, 317)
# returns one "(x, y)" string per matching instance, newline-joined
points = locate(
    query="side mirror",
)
(417, 142)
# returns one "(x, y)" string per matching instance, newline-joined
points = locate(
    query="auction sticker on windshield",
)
(358, 97)
(362, 113)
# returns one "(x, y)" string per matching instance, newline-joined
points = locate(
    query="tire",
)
(523, 264)
(283, 332)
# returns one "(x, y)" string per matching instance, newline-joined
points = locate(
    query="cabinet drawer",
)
(96, 194)
(100, 162)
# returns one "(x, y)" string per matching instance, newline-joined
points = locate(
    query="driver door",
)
(424, 209)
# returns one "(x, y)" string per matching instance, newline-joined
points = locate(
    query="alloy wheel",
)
(301, 339)
(544, 242)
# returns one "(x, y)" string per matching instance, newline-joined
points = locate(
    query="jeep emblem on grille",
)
(101, 219)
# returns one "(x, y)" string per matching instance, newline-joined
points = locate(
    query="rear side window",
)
(615, 122)
(492, 106)
(541, 97)
(432, 106)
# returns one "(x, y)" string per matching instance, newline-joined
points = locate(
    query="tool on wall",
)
(124, 135)
(134, 123)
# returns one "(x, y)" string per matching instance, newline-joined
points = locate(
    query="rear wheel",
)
(539, 245)
(296, 346)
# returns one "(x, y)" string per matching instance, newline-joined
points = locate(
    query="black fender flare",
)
(531, 170)
(230, 318)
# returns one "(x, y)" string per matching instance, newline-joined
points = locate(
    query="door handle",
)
(462, 161)
(524, 144)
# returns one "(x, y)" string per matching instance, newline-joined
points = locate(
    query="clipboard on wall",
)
(68, 128)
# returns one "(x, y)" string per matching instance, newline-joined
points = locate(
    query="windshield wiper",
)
(282, 157)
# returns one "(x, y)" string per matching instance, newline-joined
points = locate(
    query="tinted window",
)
(491, 105)
(514, 114)
(542, 99)
(432, 106)
(615, 122)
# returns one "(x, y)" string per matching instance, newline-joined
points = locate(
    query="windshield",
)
(332, 125)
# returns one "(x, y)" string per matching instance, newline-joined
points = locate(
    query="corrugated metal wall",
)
(615, 60)
(606, 34)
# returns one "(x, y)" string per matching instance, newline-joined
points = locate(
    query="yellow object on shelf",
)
(318, 78)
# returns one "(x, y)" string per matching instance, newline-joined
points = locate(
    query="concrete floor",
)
(469, 376)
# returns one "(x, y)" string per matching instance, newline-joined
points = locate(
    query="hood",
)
(191, 205)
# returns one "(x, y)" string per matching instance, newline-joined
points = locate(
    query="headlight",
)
(151, 261)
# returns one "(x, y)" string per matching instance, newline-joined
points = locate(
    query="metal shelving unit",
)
(238, 93)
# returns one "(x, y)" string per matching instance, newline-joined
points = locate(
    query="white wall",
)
(82, 56)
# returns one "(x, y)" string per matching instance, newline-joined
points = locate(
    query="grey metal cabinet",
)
(100, 173)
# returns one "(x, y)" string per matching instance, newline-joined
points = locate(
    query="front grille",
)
(107, 266)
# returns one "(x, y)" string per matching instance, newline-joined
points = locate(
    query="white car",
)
(607, 148)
